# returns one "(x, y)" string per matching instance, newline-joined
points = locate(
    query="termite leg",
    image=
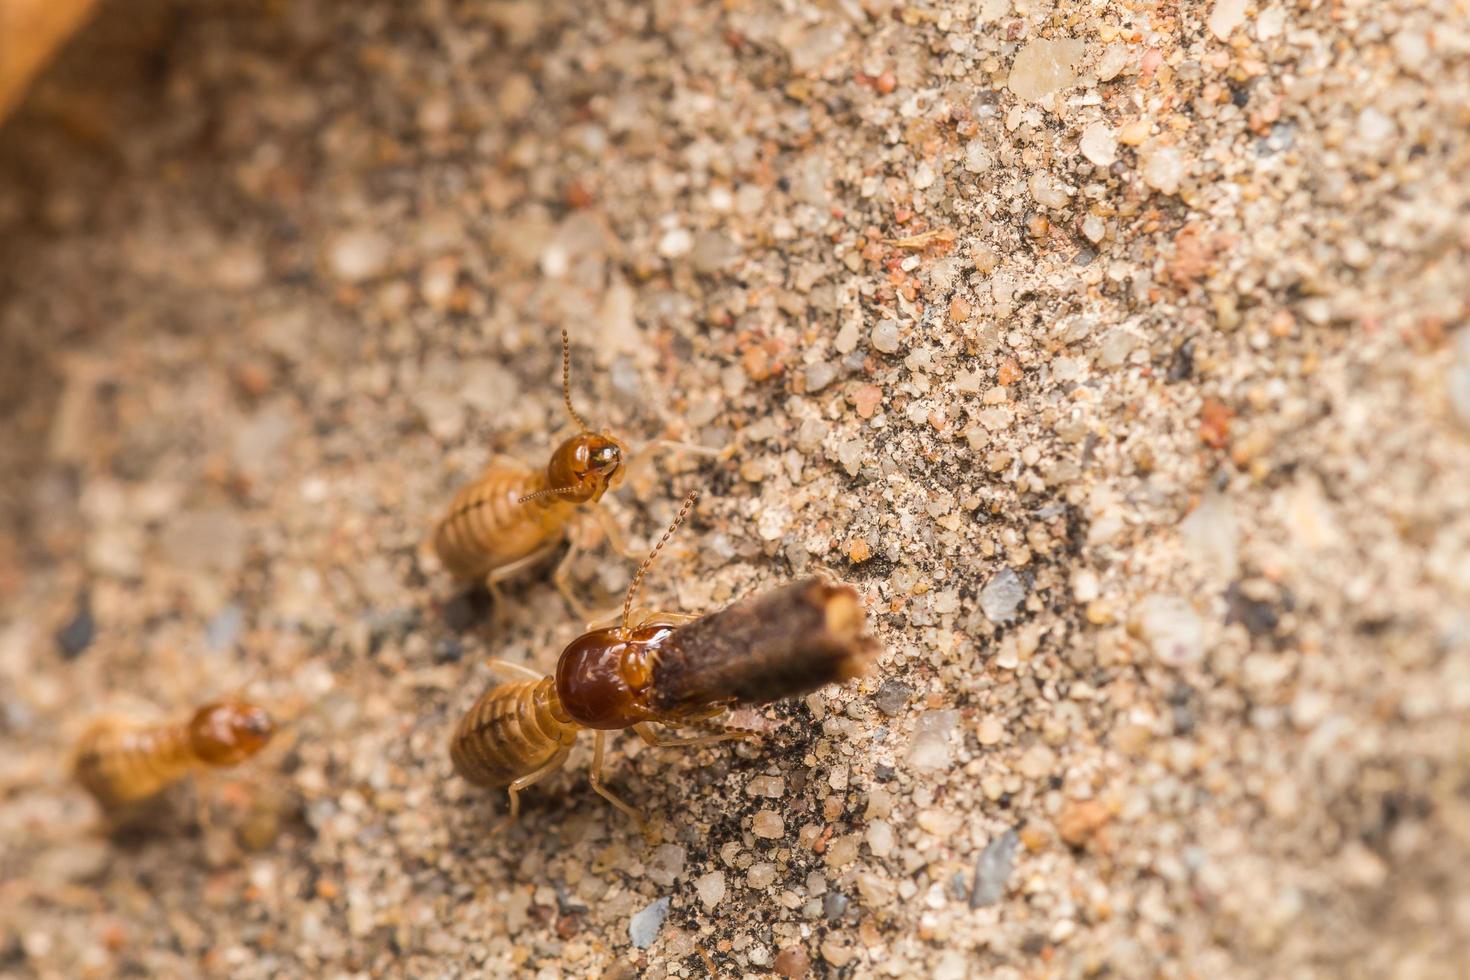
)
(506, 665)
(594, 776)
(203, 813)
(614, 535)
(650, 735)
(496, 576)
(694, 449)
(563, 573)
(514, 789)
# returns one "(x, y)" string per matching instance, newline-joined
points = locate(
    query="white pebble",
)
(929, 749)
(1099, 145)
(1226, 17)
(768, 824)
(1163, 167)
(1172, 629)
(677, 242)
(885, 337)
(880, 838)
(1043, 67)
(977, 157)
(711, 888)
(1002, 595)
(359, 255)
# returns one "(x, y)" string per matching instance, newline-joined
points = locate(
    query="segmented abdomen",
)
(120, 764)
(487, 527)
(512, 730)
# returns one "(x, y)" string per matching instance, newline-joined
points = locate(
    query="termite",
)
(665, 669)
(122, 763)
(512, 516)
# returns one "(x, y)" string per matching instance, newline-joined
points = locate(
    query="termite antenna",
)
(566, 379)
(643, 568)
(544, 493)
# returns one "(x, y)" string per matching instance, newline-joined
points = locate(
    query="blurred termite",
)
(512, 516)
(121, 763)
(657, 668)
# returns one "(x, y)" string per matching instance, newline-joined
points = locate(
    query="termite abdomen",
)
(779, 644)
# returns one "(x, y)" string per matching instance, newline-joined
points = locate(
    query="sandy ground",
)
(1115, 351)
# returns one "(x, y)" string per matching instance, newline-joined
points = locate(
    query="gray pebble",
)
(644, 927)
(993, 870)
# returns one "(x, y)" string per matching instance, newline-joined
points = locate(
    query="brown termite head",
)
(586, 466)
(605, 677)
(589, 464)
(226, 733)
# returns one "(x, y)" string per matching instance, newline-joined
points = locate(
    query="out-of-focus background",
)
(1116, 352)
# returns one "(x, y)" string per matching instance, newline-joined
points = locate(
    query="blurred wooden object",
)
(30, 33)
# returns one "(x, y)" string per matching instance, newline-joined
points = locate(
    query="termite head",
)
(604, 678)
(226, 733)
(586, 466)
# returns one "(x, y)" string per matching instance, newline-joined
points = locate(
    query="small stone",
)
(667, 864)
(712, 252)
(978, 158)
(771, 787)
(1163, 167)
(993, 870)
(710, 888)
(892, 697)
(850, 454)
(866, 398)
(819, 376)
(836, 952)
(443, 414)
(940, 823)
(1043, 67)
(448, 650)
(1225, 18)
(1209, 535)
(842, 851)
(1172, 630)
(1134, 133)
(991, 731)
(1099, 145)
(644, 927)
(793, 963)
(1458, 378)
(357, 256)
(929, 749)
(1002, 595)
(761, 875)
(73, 638)
(768, 824)
(1047, 191)
(1080, 820)
(884, 337)
(834, 905)
(1036, 762)
(221, 632)
(675, 243)
(880, 838)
